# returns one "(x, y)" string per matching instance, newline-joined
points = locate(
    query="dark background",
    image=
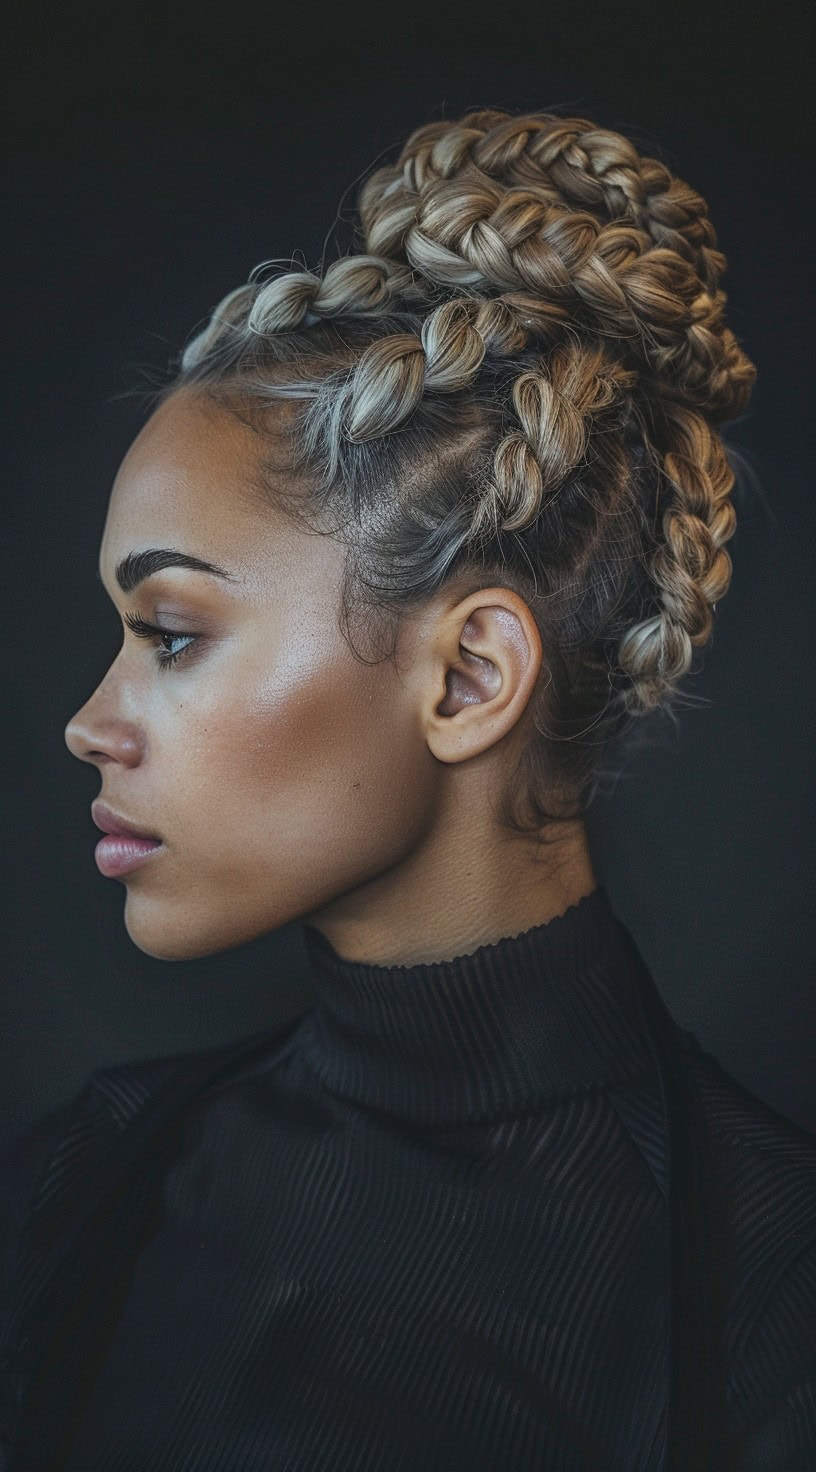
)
(152, 159)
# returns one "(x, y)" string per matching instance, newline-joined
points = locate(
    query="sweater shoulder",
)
(765, 1168)
(50, 1156)
(734, 1112)
(44, 1167)
(765, 1165)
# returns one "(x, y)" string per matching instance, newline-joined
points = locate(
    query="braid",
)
(691, 568)
(646, 272)
(566, 161)
(354, 286)
(393, 374)
(519, 372)
(556, 411)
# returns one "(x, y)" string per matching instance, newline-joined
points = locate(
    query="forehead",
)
(188, 481)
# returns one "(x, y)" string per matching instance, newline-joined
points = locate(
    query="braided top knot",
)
(545, 257)
(574, 214)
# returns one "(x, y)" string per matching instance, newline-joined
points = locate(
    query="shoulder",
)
(51, 1152)
(45, 1166)
(764, 1165)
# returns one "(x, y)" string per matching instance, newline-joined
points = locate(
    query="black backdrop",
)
(152, 159)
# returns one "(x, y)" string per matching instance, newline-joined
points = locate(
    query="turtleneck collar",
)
(500, 1031)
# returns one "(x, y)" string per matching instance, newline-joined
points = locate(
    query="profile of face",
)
(285, 777)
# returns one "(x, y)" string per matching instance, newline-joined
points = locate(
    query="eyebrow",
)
(135, 567)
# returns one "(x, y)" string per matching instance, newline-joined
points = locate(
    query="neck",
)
(456, 890)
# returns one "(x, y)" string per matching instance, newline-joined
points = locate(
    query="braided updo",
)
(515, 380)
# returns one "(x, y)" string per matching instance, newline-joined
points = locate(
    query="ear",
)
(487, 654)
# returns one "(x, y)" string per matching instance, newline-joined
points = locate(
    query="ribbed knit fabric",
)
(424, 1228)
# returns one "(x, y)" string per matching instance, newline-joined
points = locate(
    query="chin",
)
(162, 932)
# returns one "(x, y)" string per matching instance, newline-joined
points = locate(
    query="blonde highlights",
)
(520, 374)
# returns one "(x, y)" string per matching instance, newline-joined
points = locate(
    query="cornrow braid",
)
(354, 285)
(393, 374)
(557, 411)
(517, 375)
(691, 568)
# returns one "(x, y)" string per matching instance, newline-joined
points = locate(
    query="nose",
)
(92, 736)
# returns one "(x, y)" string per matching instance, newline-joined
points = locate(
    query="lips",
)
(110, 822)
(124, 845)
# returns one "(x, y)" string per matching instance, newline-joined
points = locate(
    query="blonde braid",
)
(362, 285)
(556, 410)
(692, 568)
(392, 375)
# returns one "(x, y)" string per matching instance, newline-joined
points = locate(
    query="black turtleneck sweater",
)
(420, 1227)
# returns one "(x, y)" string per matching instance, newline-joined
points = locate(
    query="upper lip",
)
(110, 822)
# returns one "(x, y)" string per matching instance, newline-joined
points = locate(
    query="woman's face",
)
(278, 770)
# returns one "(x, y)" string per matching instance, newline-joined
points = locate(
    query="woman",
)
(400, 549)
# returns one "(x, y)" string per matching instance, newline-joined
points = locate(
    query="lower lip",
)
(118, 853)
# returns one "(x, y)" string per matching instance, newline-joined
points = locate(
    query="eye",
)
(143, 630)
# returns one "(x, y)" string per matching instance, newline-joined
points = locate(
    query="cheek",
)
(312, 780)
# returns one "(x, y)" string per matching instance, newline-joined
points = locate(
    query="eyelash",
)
(144, 630)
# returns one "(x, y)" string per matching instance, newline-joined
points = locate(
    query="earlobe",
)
(491, 667)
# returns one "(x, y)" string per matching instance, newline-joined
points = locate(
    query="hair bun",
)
(573, 217)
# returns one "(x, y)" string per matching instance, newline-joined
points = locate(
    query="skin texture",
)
(287, 779)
